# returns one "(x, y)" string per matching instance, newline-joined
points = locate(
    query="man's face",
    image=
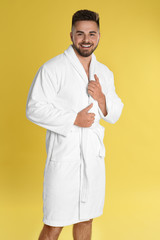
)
(85, 37)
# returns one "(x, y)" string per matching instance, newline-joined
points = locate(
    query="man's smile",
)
(86, 45)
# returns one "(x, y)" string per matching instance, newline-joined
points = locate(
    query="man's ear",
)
(71, 36)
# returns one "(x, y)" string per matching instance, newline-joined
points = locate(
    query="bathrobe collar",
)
(70, 53)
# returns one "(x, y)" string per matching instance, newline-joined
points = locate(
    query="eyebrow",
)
(83, 32)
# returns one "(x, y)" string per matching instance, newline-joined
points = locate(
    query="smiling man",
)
(69, 95)
(85, 42)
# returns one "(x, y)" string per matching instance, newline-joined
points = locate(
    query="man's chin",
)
(85, 53)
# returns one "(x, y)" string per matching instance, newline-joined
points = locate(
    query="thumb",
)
(96, 78)
(88, 107)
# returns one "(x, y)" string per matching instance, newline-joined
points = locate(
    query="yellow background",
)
(33, 32)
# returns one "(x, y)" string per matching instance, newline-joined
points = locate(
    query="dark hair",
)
(85, 15)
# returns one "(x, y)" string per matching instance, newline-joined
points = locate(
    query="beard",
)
(84, 52)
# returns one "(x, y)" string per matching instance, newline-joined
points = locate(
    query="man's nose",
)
(86, 38)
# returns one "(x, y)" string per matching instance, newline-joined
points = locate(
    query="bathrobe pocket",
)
(66, 148)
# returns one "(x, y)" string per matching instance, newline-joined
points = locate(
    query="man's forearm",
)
(102, 105)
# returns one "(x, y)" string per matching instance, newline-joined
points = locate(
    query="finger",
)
(90, 93)
(96, 78)
(92, 83)
(88, 107)
(91, 115)
(92, 118)
(92, 88)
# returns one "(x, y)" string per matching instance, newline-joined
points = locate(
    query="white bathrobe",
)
(74, 174)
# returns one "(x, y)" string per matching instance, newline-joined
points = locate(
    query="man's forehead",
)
(86, 26)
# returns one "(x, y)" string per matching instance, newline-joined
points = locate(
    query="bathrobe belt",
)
(84, 175)
(84, 167)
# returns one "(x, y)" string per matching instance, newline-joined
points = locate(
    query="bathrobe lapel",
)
(71, 55)
(76, 63)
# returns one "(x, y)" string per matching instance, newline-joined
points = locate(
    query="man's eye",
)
(92, 34)
(79, 34)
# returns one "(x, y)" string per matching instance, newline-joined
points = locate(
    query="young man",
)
(69, 95)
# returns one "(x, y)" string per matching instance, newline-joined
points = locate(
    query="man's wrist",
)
(102, 99)
(102, 105)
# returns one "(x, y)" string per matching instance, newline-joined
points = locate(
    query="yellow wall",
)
(34, 31)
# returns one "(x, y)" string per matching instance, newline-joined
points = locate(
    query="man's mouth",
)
(86, 45)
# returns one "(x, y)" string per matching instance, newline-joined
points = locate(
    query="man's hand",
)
(95, 89)
(85, 119)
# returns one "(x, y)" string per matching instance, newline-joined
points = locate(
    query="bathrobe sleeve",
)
(40, 107)
(114, 105)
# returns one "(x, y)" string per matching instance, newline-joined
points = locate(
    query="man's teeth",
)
(86, 46)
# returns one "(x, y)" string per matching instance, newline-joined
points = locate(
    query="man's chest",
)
(72, 89)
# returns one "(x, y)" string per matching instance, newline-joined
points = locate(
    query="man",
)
(69, 95)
